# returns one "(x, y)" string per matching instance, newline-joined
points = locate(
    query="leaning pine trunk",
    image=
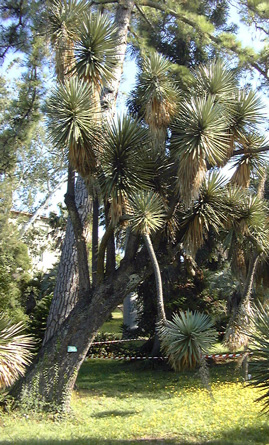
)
(50, 380)
(66, 290)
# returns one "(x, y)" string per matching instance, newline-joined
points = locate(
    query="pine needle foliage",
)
(15, 353)
(259, 346)
(73, 123)
(187, 338)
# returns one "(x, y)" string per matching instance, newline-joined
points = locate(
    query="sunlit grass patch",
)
(121, 403)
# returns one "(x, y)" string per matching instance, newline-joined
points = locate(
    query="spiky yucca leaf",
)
(147, 212)
(124, 169)
(209, 211)
(156, 93)
(245, 113)
(74, 123)
(253, 161)
(64, 19)
(252, 215)
(187, 338)
(259, 346)
(215, 79)
(15, 352)
(199, 134)
(94, 50)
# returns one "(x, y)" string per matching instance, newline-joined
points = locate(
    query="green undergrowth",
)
(125, 403)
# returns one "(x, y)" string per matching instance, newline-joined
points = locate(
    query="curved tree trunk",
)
(161, 317)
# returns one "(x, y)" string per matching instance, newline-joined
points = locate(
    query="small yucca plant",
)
(187, 338)
(259, 346)
(15, 352)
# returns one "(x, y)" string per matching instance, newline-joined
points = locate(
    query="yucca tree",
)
(156, 96)
(94, 50)
(247, 240)
(15, 351)
(187, 338)
(258, 334)
(123, 169)
(199, 136)
(74, 124)
(64, 19)
(251, 160)
(208, 212)
(148, 216)
(213, 121)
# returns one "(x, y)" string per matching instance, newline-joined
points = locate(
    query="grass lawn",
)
(126, 403)
(113, 326)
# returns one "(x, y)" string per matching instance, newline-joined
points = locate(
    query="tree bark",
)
(50, 380)
(66, 290)
(234, 336)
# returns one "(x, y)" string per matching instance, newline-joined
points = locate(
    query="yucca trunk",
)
(161, 317)
(239, 321)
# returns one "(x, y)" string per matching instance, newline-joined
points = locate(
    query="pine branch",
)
(216, 40)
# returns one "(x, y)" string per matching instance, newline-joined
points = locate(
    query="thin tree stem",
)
(158, 279)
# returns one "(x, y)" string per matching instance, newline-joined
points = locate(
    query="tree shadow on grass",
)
(113, 413)
(244, 436)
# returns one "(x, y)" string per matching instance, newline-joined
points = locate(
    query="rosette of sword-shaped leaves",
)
(73, 123)
(246, 228)
(199, 136)
(147, 212)
(156, 96)
(124, 168)
(259, 347)
(64, 19)
(94, 50)
(251, 161)
(146, 216)
(209, 211)
(15, 351)
(215, 79)
(187, 338)
(247, 243)
(245, 113)
(250, 216)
